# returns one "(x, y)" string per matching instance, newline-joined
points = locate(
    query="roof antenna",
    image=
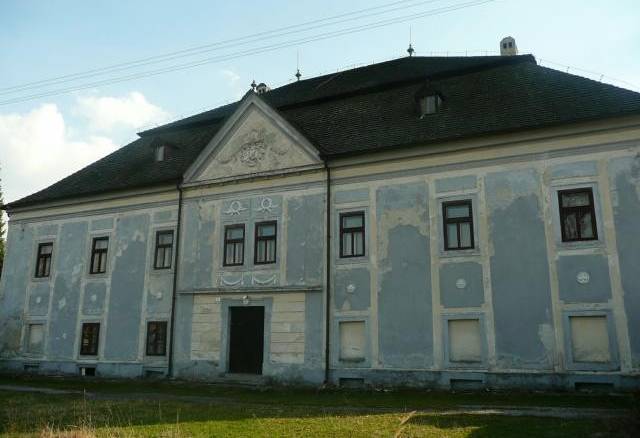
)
(298, 74)
(410, 50)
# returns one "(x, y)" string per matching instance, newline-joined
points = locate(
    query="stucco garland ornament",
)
(235, 208)
(266, 205)
(270, 280)
(254, 149)
(230, 283)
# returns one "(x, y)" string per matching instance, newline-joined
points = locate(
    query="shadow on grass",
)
(481, 426)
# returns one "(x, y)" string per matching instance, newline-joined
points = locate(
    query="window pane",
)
(103, 264)
(580, 199)
(261, 251)
(465, 235)
(570, 226)
(456, 211)
(228, 256)
(46, 249)
(358, 243)
(165, 239)
(347, 250)
(267, 230)
(47, 267)
(235, 233)
(271, 250)
(239, 253)
(352, 221)
(586, 226)
(452, 236)
(101, 243)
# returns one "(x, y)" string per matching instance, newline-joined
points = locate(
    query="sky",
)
(47, 138)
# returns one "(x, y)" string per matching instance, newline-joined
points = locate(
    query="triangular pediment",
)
(254, 140)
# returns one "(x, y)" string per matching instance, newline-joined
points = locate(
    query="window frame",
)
(352, 230)
(468, 219)
(563, 213)
(258, 239)
(151, 349)
(227, 241)
(92, 349)
(102, 252)
(163, 247)
(39, 256)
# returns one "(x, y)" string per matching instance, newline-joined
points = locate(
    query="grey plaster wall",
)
(314, 332)
(127, 288)
(625, 180)
(15, 277)
(196, 261)
(453, 275)
(519, 270)
(596, 290)
(404, 296)
(39, 298)
(69, 268)
(305, 240)
(94, 298)
(352, 288)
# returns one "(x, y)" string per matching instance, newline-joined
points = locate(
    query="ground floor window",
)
(157, 338)
(90, 337)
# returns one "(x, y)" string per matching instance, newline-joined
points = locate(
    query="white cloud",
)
(233, 82)
(36, 150)
(131, 111)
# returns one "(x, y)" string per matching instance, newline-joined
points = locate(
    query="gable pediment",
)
(255, 140)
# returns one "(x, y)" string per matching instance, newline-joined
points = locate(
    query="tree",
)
(1, 230)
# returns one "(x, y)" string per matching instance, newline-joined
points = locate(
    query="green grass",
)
(283, 412)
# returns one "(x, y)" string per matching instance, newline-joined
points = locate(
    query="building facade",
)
(439, 222)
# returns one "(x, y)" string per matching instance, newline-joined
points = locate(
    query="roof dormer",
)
(429, 100)
(161, 149)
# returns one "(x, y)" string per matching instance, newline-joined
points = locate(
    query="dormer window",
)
(160, 152)
(430, 104)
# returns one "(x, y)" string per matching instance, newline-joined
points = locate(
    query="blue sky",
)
(44, 139)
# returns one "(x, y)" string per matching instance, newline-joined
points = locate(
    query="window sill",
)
(355, 360)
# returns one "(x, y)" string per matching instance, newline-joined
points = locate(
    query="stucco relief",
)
(256, 145)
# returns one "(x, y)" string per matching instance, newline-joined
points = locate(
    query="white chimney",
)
(508, 46)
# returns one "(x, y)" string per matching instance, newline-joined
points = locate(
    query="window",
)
(458, 225)
(164, 250)
(577, 215)
(430, 104)
(43, 262)
(35, 338)
(160, 153)
(352, 234)
(156, 338)
(265, 250)
(99, 255)
(89, 341)
(234, 245)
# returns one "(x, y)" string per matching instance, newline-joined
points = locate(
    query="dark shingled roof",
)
(370, 109)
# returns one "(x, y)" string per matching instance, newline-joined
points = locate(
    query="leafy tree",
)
(1, 231)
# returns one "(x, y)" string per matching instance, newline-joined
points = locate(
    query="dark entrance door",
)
(246, 340)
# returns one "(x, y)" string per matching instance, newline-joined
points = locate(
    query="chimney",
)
(262, 88)
(508, 47)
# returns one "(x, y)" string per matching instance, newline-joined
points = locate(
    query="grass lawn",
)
(280, 412)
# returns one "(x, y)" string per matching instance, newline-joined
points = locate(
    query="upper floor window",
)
(43, 262)
(157, 338)
(352, 234)
(89, 340)
(577, 215)
(265, 245)
(164, 250)
(234, 245)
(99, 250)
(457, 217)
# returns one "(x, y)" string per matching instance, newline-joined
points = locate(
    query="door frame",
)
(225, 343)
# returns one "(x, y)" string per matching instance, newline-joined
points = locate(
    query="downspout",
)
(328, 278)
(175, 282)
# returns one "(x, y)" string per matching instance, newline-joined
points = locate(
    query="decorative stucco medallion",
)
(38, 300)
(245, 300)
(583, 277)
(235, 208)
(351, 288)
(461, 283)
(266, 205)
(94, 297)
(254, 149)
